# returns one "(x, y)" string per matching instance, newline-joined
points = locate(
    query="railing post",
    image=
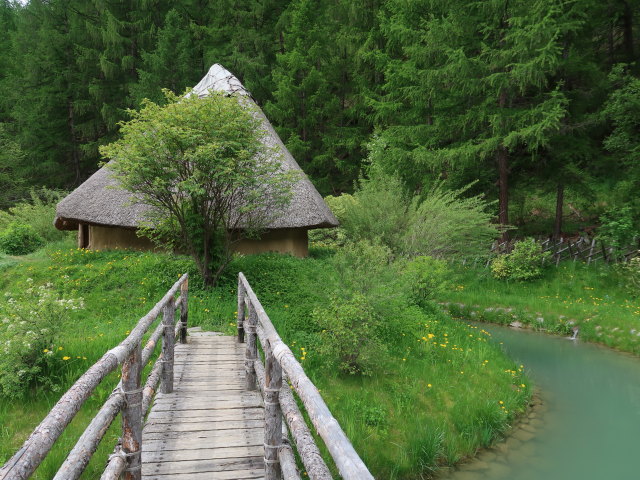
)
(132, 414)
(168, 340)
(272, 415)
(240, 318)
(184, 310)
(251, 352)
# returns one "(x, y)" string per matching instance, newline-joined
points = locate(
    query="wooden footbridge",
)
(222, 412)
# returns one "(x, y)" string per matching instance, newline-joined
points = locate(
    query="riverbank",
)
(587, 427)
(592, 298)
(522, 432)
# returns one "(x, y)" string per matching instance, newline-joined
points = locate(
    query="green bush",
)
(368, 269)
(20, 239)
(440, 224)
(523, 263)
(349, 340)
(38, 212)
(333, 237)
(29, 325)
(617, 229)
(427, 278)
(630, 275)
(379, 212)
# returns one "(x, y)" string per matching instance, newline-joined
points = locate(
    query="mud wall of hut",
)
(294, 241)
(107, 238)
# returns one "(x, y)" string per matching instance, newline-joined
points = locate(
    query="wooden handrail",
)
(349, 464)
(25, 461)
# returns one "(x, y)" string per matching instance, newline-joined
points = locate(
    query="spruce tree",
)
(470, 82)
(43, 92)
(319, 82)
(175, 62)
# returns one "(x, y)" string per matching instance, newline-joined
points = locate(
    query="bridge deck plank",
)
(209, 427)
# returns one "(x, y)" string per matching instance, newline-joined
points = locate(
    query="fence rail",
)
(273, 378)
(128, 397)
(589, 250)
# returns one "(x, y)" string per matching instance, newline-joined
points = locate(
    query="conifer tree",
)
(317, 102)
(43, 91)
(175, 62)
(8, 14)
(473, 82)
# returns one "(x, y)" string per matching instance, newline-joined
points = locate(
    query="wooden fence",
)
(280, 374)
(589, 250)
(129, 397)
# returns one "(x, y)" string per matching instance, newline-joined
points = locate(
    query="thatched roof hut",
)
(107, 216)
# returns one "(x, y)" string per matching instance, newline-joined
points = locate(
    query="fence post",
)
(251, 352)
(168, 340)
(593, 244)
(132, 414)
(240, 318)
(272, 415)
(184, 310)
(604, 252)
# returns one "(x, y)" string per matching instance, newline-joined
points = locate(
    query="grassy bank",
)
(591, 297)
(437, 392)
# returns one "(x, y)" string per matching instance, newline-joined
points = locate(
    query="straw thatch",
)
(100, 200)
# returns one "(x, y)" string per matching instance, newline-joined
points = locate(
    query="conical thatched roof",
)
(100, 201)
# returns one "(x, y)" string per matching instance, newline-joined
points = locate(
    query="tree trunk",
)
(75, 157)
(627, 28)
(557, 229)
(502, 157)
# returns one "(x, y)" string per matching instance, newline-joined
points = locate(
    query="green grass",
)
(591, 297)
(441, 392)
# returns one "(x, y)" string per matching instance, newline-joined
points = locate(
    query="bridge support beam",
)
(184, 310)
(272, 415)
(241, 311)
(168, 341)
(132, 415)
(251, 352)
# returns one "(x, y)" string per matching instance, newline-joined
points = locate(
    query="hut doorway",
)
(83, 235)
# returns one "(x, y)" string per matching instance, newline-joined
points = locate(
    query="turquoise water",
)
(589, 425)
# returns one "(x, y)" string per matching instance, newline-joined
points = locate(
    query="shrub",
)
(523, 263)
(20, 239)
(427, 278)
(446, 224)
(38, 212)
(29, 325)
(379, 212)
(617, 227)
(440, 224)
(630, 273)
(368, 270)
(365, 267)
(333, 237)
(349, 341)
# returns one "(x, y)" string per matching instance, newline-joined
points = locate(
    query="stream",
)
(588, 426)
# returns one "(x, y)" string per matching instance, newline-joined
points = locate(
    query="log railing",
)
(280, 364)
(129, 397)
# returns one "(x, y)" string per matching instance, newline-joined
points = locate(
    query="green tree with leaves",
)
(470, 83)
(622, 112)
(202, 165)
(175, 62)
(320, 76)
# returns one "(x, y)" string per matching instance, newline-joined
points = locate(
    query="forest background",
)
(538, 100)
